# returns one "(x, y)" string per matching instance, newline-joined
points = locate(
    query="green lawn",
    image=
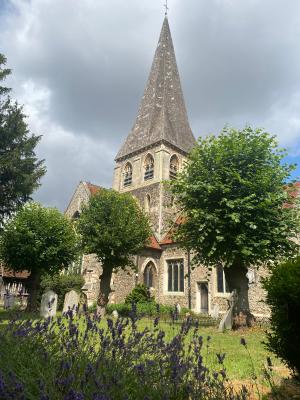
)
(238, 363)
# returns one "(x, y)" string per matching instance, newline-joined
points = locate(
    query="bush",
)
(148, 309)
(283, 297)
(139, 294)
(61, 284)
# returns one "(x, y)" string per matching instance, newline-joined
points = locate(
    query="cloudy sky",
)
(80, 68)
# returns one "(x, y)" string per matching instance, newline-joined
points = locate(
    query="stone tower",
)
(159, 141)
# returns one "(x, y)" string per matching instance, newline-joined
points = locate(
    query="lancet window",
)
(149, 273)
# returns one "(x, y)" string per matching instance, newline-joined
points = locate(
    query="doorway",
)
(203, 294)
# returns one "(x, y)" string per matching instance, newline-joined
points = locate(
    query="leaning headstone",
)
(227, 320)
(71, 301)
(115, 314)
(48, 304)
(9, 301)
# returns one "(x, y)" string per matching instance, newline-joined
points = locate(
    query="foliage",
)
(232, 194)
(20, 169)
(149, 309)
(139, 294)
(62, 284)
(283, 297)
(109, 360)
(113, 227)
(39, 240)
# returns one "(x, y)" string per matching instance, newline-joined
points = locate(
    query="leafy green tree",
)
(114, 228)
(39, 240)
(237, 206)
(20, 169)
(283, 297)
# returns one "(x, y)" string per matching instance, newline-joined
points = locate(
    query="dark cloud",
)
(80, 68)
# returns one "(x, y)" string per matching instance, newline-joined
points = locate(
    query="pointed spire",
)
(162, 114)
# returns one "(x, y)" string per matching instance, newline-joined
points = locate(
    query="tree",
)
(114, 228)
(39, 240)
(20, 169)
(237, 207)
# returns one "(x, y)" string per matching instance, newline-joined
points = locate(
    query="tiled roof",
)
(93, 188)
(153, 243)
(169, 237)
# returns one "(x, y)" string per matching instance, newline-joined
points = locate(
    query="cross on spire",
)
(166, 7)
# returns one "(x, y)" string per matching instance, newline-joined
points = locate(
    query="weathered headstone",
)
(48, 304)
(71, 301)
(9, 301)
(227, 320)
(115, 314)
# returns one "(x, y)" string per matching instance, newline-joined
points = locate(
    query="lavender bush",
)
(84, 358)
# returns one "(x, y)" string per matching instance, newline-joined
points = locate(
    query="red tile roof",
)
(93, 188)
(153, 243)
(169, 238)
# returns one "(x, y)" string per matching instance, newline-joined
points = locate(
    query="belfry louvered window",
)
(175, 275)
(174, 166)
(128, 174)
(149, 167)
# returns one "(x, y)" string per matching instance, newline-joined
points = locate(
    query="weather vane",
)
(166, 7)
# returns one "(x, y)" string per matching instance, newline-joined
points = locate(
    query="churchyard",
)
(179, 353)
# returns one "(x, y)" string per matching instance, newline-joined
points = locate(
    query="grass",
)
(237, 361)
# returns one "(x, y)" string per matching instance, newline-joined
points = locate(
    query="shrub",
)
(283, 297)
(146, 309)
(139, 294)
(61, 284)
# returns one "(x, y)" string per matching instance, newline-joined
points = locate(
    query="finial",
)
(166, 7)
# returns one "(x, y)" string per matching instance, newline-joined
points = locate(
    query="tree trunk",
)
(105, 290)
(33, 285)
(237, 279)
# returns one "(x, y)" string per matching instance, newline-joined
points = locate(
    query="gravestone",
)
(9, 301)
(227, 320)
(71, 301)
(48, 304)
(115, 314)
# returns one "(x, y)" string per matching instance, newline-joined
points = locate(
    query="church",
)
(155, 151)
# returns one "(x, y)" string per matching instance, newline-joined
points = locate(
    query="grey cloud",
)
(238, 60)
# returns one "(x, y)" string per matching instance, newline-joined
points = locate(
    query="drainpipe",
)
(189, 280)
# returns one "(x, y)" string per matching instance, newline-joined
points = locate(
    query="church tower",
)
(161, 137)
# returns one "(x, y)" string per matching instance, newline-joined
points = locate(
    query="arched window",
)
(149, 273)
(127, 174)
(149, 167)
(147, 203)
(76, 215)
(174, 166)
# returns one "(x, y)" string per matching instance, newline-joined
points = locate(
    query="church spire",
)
(162, 115)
